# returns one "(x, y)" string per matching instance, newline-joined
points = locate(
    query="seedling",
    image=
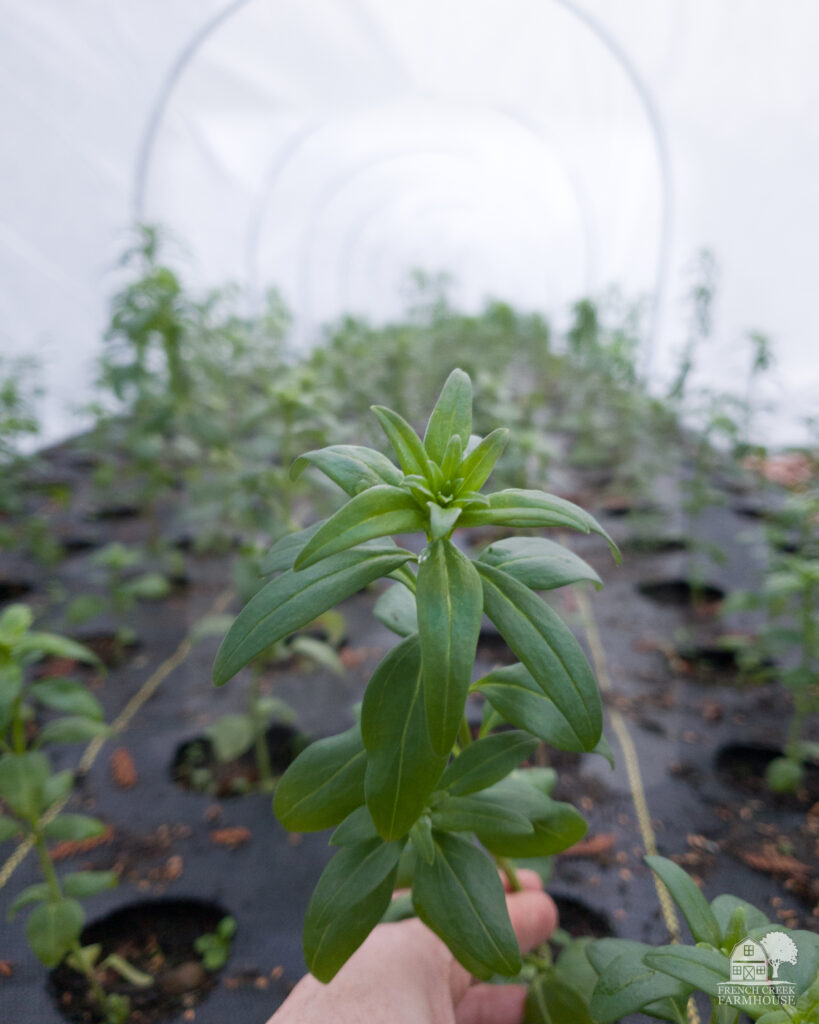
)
(215, 947)
(407, 789)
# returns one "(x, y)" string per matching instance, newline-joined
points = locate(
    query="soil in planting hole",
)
(580, 920)
(113, 513)
(744, 766)
(678, 593)
(648, 545)
(157, 937)
(77, 545)
(109, 648)
(195, 767)
(13, 590)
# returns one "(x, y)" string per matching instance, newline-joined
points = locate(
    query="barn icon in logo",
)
(754, 972)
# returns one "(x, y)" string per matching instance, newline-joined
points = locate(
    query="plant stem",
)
(508, 868)
(464, 734)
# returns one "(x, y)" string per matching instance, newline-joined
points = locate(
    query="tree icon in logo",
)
(781, 949)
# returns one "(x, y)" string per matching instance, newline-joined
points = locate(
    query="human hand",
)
(404, 974)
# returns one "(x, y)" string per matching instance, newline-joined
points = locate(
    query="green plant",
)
(215, 947)
(786, 646)
(407, 788)
(633, 976)
(33, 795)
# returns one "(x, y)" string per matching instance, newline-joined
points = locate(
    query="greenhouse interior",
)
(409, 512)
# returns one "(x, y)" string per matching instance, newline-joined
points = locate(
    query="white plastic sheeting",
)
(537, 149)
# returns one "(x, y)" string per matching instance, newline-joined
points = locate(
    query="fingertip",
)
(530, 880)
(533, 916)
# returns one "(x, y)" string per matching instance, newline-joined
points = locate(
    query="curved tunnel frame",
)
(603, 36)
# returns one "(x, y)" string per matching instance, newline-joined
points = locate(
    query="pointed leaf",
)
(231, 735)
(442, 520)
(353, 467)
(376, 512)
(36, 893)
(357, 827)
(411, 453)
(480, 461)
(352, 894)
(323, 785)
(479, 812)
(487, 761)
(57, 786)
(451, 417)
(73, 827)
(396, 608)
(53, 928)
(723, 908)
(292, 600)
(515, 695)
(452, 458)
(57, 646)
(548, 650)
(627, 985)
(72, 729)
(460, 897)
(81, 884)
(527, 508)
(693, 905)
(22, 780)
(539, 563)
(551, 1001)
(450, 606)
(556, 826)
(9, 828)
(285, 551)
(68, 696)
(701, 968)
(402, 765)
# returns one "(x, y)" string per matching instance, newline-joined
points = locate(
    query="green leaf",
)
(539, 563)
(627, 985)
(81, 884)
(57, 786)
(556, 825)
(349, 899)
(152, 586)
(36, 893)
(480, 462)
(701, 968)
(351, 466)
(452, 458)
(324, 784)
(411, 453)
(723, 908)
(479, 812)
(9, 828)
(73, 827)
(376, 512)
(397, 610)
(550, 1000)
(693, 905)
(72, 729)
(451, 417)
(526, 508)
(515, 695)
(68, 696)
(548, 650)
(22, 778)
(357, 827)
(285, 551)
(56, 646)
(421, 838)
(402, 765)
(442, 520)
(450, 606)
(231, 736)
(292, 600)
(53, 928)
(487, 761)
(460, 897)
(14, 622)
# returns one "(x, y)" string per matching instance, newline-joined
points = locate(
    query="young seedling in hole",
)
(407, 788)
(787, 645)
(633, 977)
(29, 788)
(215, 947)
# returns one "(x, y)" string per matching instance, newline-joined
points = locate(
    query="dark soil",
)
(744, 766)
(13, 590)
(113, 513)
(194, 766)
(678, 593)
(156, 937)
(109, 648)
(579, 919)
